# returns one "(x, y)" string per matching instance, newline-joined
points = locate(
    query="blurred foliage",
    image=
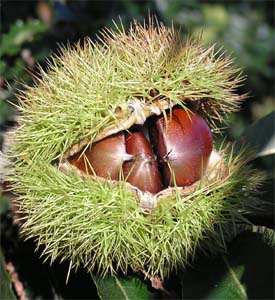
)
(18, 34)
(244, 29)
(5, 283)
(32, 30)
(122, 288)
(245, 272)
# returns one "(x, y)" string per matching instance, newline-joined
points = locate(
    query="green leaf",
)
(3, 67)
(215, 15)
(246, 272)
(261, 136)
(230, 286)
(19, 33)
(6, 110)
(115, 288)
(5, 282)
(4, 202)
(268, 234)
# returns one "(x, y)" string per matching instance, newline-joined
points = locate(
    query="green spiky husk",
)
(98, 225)
(101, 226)
(77, 97)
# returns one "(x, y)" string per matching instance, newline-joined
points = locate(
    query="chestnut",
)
(177, 153)
(142, 170)
(104, 158)
(183, 144)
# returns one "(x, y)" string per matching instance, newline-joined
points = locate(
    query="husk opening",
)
(89, 93)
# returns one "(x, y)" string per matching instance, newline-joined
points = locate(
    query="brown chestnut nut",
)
(183, 144)
(104, 158)
(142, 171)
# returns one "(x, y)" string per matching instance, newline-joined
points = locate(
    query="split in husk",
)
(92, 91)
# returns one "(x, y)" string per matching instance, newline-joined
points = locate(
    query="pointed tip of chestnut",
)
(142, 171)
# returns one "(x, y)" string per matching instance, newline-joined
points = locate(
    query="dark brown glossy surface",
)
(177, 153)
(142, 171)
(104, 158)
(184, 143)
